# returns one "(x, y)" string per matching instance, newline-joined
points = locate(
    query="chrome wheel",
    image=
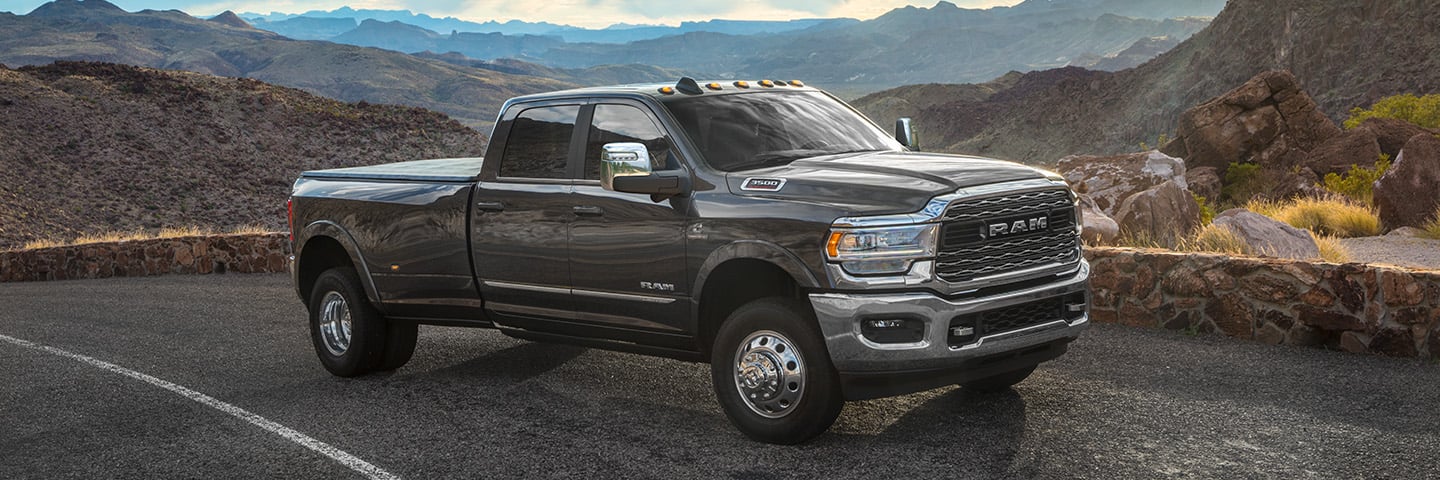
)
(769, 374)
(335, 323)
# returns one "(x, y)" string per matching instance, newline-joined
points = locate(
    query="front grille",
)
(967, 252)
(1007, 319)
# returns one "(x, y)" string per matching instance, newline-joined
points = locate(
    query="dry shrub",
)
(1334, 216)
(1331, 250)
(1431, 229)
(1216, 239)
(125, 236)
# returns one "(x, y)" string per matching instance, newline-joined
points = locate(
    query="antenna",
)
(688, 86)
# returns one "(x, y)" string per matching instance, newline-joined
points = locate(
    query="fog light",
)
(893, 330)
(964, 330)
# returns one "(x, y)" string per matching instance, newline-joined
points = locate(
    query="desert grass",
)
(1335, 216)
(1431, 229)
(1216, 239)
(132, 235)
(1331, 250)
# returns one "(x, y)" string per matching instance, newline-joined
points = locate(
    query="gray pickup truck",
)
(765, 228)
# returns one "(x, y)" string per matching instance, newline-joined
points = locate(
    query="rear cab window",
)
(538, 145)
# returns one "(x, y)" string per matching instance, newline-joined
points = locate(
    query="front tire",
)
(772, 373)
(350, 336)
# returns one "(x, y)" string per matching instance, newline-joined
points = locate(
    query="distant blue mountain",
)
(322, 25)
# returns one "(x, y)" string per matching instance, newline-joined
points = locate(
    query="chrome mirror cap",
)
(905, 133)
(626, 159)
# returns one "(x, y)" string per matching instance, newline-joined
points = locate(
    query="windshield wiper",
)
(775, 158)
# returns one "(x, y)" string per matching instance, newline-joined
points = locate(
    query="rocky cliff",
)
(1346, 53)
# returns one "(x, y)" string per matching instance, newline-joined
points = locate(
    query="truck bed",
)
(409, 220)
(459, 170)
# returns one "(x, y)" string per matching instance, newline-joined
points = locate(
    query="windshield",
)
(747, 131)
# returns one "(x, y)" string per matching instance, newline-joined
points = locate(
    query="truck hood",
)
(877, 183)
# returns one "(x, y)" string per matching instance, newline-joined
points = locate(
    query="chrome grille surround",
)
(968, 256)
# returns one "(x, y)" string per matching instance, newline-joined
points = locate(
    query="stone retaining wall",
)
(249, 253)
(1352, 307)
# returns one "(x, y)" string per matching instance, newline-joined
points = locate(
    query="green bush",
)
(1359, 182)
(1423, 111)
(1207, 214)
(1242, 182)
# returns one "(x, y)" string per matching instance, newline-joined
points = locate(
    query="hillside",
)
(90, 147)
(1345, 53)
(94, 30)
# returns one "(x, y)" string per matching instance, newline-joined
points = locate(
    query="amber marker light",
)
(742, 84)
(832, 247)
(767, 83)
(797, 83)
(713, 86)
(667, 90)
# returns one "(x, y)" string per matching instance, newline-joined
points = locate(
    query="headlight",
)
(887, 250)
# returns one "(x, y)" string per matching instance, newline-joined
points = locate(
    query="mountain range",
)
(468, 75)
(95, 30)
(323, 25)
(1347, 54)
(944, 43)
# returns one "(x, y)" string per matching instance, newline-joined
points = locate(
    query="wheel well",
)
(320, 254)
(735, 283)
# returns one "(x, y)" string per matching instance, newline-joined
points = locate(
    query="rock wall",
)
(262, 253)
(1352, 307)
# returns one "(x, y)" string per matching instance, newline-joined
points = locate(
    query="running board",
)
(614, 345)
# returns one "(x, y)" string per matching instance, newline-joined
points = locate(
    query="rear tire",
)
(999, 382)
(772, 373)
(350, 336)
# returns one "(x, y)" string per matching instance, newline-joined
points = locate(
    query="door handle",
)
(589, 211)
(490, 206)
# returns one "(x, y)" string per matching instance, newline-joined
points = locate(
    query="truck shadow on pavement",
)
(973, 434)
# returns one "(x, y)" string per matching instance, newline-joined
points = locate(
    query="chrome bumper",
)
(840, 316)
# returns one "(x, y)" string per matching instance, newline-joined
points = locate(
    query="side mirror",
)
(905, 133)
(620, 160)
(625, 167)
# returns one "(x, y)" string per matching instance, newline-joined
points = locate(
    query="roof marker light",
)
(667, 90)
(797, 83)
(742, 84)
(713, 86)
(767, 83)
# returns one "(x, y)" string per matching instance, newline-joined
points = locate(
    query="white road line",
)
(346, 459)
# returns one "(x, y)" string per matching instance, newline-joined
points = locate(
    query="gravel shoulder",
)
(1412, 252)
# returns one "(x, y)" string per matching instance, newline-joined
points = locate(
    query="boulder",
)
(1391, 133)
(1204, 181)
(1165, 213)
(1098, 227)
(1269, 120)
(1355, 147)
(1408, 194)
(1267, 236)
(1109, 180)
(1406, 232)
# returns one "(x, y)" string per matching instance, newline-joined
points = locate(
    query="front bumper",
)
(871, 370)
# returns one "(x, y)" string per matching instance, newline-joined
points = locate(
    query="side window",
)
(623, 123)
(539, 143)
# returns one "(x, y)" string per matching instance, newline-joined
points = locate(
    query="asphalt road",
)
(1124, 403)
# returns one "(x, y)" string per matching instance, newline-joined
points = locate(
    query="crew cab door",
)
(627, 251)
(520, 219)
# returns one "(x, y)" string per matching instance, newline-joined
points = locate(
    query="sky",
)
(583, 13)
